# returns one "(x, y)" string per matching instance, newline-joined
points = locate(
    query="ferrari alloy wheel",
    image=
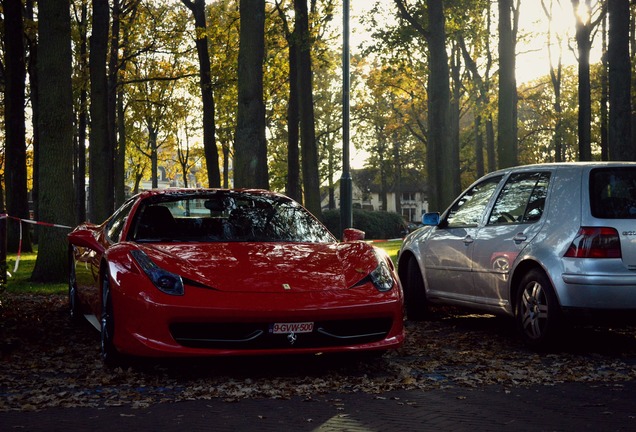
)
(537, 310)
(108, 350)
(414, 292)
(73, 305)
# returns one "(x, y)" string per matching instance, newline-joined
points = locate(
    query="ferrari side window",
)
(116, 224)
(293, 223)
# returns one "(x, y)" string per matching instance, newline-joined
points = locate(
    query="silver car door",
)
(447, 252)
(515, 219)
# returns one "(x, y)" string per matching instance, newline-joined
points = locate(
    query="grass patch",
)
(18, 281)
(391, 247)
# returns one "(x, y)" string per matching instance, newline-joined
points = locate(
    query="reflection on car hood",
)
(267, 267)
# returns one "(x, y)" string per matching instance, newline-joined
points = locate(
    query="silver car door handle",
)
(520, 237)
(468, 240)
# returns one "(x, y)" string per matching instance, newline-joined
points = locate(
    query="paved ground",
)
(562, 407)
(466, 369)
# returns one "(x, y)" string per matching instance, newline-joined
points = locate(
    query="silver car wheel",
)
(415, 301)
(534, 310)
(537, 310)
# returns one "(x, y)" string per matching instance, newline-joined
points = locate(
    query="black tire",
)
(416, 304)
(110, 355)
(73, 300)
(537, 311)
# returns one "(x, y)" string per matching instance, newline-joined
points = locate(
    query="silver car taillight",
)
(595, 242)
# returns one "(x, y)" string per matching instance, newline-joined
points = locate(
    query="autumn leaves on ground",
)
(49, 361)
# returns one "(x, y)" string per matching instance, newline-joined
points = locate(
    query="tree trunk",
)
(3, 241)
(330, 176)
(633, 60)
(116, 127)
(15, 133)
(620, 115)
(482, 101)
(384, 190)
(479, 148)
(32, 50)
(490, 144)
(584, 45)
(120, 154)
(113, 71)
(183, 154)
(453, 127)
(82, 120)
(56, 139)
(197, 7)
(397, 177)
(293, 188)
(440, 152)
(226, 165)
(506, 136)
(309, 148)
(101, 197)
(250, 148)
(555, 76)
(120, 141)
(138, 178)
(154, 159)
(604, 96)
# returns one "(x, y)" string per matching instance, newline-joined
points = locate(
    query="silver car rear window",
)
(613, 193)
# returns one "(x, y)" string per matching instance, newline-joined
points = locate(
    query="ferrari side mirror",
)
(352, 234)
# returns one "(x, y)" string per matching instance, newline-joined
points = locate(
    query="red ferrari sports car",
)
(204, 272)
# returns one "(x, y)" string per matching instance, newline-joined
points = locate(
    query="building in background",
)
(409, 198)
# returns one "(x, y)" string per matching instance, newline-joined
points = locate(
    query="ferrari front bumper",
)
(204, 322)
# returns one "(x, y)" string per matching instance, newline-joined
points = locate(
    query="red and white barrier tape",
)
(385, 240)
(17, 259)
(32, 222)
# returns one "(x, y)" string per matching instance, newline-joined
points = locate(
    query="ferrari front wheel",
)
(110, 356)
(73, 301)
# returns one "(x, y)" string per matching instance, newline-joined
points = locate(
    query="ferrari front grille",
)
(260, 336)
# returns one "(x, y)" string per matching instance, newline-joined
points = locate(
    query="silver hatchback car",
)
(545, 244)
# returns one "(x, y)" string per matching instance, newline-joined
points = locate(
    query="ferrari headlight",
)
(164, 280)
(381, 277)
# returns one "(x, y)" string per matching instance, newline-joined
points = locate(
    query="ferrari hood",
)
(266, 267)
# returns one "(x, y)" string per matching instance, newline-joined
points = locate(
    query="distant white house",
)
(411, 195)
(163, 181)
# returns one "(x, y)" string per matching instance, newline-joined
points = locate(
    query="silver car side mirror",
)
(430, 218)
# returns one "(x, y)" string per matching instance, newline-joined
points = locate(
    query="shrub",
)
(376, 224)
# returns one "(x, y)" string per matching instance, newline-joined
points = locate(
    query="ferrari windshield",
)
(225, 216)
